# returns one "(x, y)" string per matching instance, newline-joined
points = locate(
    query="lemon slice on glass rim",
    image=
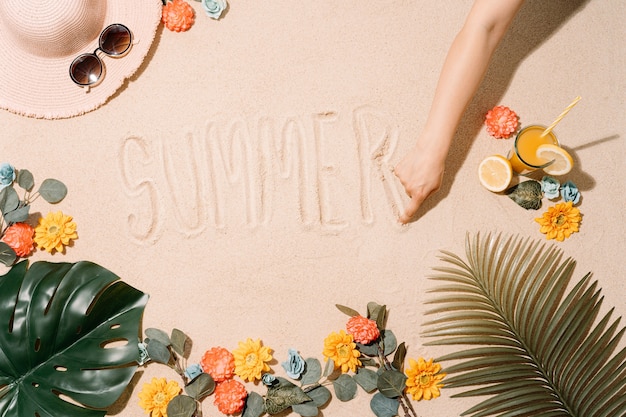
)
(495, 173)
(562, 161)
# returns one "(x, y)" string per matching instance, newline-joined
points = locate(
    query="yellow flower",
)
(424, 379)
(55, 231)
(156, 395)
(342, 350)
(251, 359)
(560, 221)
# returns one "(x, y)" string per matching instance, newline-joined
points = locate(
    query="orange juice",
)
(524, 156)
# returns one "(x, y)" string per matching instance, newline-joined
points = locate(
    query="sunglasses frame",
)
(80, 57)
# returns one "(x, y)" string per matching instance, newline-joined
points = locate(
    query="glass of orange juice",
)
(524, 157)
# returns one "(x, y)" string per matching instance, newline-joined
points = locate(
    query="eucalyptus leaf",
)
(390, 343)
(398, 357)
(372, 310)
(347, 310)
(62, 326)
(367, 379)
(255, 406)
(7, 254)
(383, 406)
(329, 368)
(319, 395)
(345, 387)
(370, 350)
(181, 406)
(305, 409)
(18, 215)
(283, 395)
(52, 190)
(25, 179)
(158, 352)
(181, 343)
(9, 200)
(526, 194)
(202, 386)
(159, 335)
(391, 383)
(312, 372)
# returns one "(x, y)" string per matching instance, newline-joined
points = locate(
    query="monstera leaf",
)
(68, 339)
(530, 345)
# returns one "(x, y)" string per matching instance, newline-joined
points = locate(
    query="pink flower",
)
(230, 397)
(219, 363)
(19, 237)
(178, 15)
(501, 122)
(362, 329)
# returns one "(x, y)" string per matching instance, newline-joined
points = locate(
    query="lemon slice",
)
(495, 173)
(563, 162)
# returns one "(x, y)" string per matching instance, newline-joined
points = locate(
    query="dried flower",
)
(560, 221)
(178, 15)
(7, 175)
(570, 192)
(214, 8)
(251, 359)
(19, 237)
(424, 379)
(156, 395)
(230, 397)
(55, 231)
(341, 348)
(294, 366)
(193, 371)
(219, 363)
(362, 329)
(550, 187)
(501, 122)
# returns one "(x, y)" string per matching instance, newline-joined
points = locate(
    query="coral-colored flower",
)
(55, 231)
(156, 395)
(424, 379)
(560, 221)
(219, 363)
(19, 237)
(501, 122)
(251, 359)
(362, 329)
(178, 15)
(230, 397)
(340, 347)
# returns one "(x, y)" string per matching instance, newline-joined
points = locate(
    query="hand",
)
(421, 174)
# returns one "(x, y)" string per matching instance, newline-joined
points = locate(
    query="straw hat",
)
(39, 39)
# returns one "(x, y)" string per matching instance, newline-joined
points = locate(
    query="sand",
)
(242, 177)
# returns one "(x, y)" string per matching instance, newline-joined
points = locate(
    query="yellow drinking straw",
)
(562, 115)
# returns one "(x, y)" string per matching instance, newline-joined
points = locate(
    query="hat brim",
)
(41, 87)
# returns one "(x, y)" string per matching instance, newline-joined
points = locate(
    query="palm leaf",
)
(68, 339)
(531, 345)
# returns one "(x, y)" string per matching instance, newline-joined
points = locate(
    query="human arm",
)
(421, 170)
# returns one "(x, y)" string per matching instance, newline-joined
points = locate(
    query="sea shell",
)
(527, 194)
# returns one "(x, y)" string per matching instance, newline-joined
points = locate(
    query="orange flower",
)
(219, 363)
(19, 237)
(362, 329)
(560, 221)
(177, 15)
(230, 396)
(501, 122)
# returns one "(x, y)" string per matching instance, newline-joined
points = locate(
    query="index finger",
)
(411, 209)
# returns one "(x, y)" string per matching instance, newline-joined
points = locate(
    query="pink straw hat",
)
(39, 39)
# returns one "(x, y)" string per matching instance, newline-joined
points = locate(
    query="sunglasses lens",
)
(86, 69)
(115, 39)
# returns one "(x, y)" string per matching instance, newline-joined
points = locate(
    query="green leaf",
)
(390, 343)
(181, 406)
(329, 368)
(7, 254)
(345, 387)
(305, 409)
(542, 348)
(52, 190)
(158, 335)
(202, 386)
(319, 395)
(158, 352)
(25, 179)
(383, 406)
(367, 379)
(17, 215)
(70, 329)
(398, 357)
(254, 405)
(312, 372)
(391, 383)
(181, 343)
(283, 395)
(347, 310)
(9, 200)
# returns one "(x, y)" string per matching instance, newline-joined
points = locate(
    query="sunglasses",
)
(87, 69)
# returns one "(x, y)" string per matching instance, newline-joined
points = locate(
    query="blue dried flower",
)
(214, 8)
(7, 175)
(268, 379)
(143, 353)
(294, 366)
(570, 192)
(550, 187)
(193, 371)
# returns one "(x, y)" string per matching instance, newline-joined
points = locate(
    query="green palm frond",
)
(531, 345)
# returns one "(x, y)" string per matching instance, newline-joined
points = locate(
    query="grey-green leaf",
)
(181, 343)
(25, 179)
(181, 406)
(159, 335)
(9, 200)
(158, 352)
(254, 405)
(391, 383)
(389, 341)
(383, 406)
(203, 385)
(345, 387)
(305, 409)
(7, 254)
(398, 357)
(367, 379)
(312, 372)
(17, 216)
(329, 368)
(319, 395)
(526, 194)
(347, 310)
(52, 190)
